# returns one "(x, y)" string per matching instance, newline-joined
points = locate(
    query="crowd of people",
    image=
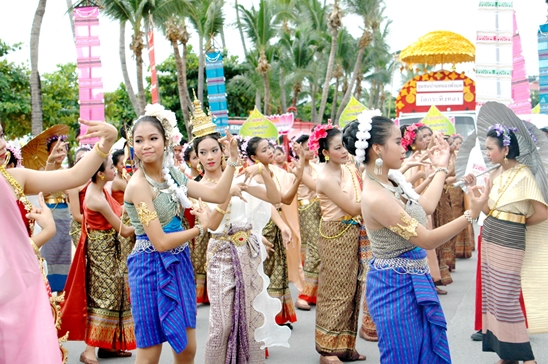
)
(365, 217)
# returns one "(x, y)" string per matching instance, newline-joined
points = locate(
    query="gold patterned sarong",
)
(109, 322)
(309, 219)
(75, 232)
(275, 267)
(464, 241)
(198, 253)
(339, 291)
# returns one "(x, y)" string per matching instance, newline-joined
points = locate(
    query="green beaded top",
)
(165, 207)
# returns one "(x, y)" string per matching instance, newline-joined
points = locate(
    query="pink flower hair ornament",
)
(410, 135)
(318, 133)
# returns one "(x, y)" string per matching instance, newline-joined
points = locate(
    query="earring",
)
(199, 167)
(326, 158)
(102, 178)
(378, 165)
(505, 160)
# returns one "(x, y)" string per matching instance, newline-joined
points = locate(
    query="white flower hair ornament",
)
(363, 135)
(173, 136)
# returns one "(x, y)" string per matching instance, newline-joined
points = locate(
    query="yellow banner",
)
(258, 125)
(438, 122)
(351, 112)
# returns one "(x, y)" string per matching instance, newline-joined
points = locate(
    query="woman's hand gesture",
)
(42, 215)
(439, 154)
(236, 190)
(478, 198)
(469, 180)
(252, 171)
(232, 144)
(106, 132)
(202, 214)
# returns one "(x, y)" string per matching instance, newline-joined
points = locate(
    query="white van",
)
(465, 121)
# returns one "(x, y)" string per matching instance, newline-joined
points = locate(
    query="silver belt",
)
(145, 246)
(402, 265)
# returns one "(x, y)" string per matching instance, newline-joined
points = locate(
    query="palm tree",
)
(344, 57)
(299, 51)
(371, 13)
(207, 18)
(239, 26)
(125, 73)
(35, 89)
(334, 22)
(176, 32)
(261, 26)
(136, 12)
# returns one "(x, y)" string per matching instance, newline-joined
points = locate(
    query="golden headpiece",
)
(201, 123)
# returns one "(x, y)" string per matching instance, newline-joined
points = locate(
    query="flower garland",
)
(504, 131)
(410, 135)
(173, 136)
(16, 153)
(55, 138)
(365, 119)
(319, 132)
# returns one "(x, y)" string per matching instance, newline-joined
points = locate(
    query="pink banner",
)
(153, 77)
(520, 83)
(86, 28)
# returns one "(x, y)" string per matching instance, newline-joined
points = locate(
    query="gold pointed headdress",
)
(201, 123)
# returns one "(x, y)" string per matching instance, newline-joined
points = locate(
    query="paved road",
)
(458, 307)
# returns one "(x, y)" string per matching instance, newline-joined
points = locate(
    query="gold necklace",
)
(508, 183)
(502, 185)
(20, 195)
(356, 189)
(211, 180)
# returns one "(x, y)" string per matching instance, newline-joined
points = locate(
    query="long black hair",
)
(324, 142)
(380, 132)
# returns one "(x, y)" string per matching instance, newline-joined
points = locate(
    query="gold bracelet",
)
(219, 210)
(100, 152)
(260, 168)
(34, 247)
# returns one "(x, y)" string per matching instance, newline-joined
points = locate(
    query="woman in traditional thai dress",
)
(464, 241)
(234, 261)
(309, 221)
(515, 205)
(401, 295)
(192, 162)
(27, 181)
(76, 204)
(58, 253)
(161, 279)
(280, 158)
(98, 276)
(339, 288)
(277, 232)
(119, 183)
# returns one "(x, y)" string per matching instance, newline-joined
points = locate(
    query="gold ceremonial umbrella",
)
(439, 47)
(35, 152)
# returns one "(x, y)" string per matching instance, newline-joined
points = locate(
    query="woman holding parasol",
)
(512, 232)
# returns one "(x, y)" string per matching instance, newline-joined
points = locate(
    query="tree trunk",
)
(181, 84)
(266, 94)
(372, 94)
(348, 93)
(222, 32)
(239, 25)
(328, 75)
(313, 99)
(282, 90)
(125, 74)
(70, 12)
(201, 71)
(258, 100)
(137, 46)
(296, 90)
(334, 104)
(35, 87)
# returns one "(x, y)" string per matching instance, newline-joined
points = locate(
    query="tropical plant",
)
(370, 12)
(334, 22)
(207, 18)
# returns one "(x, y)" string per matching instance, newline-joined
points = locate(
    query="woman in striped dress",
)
(515, 205)
(400, 292)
